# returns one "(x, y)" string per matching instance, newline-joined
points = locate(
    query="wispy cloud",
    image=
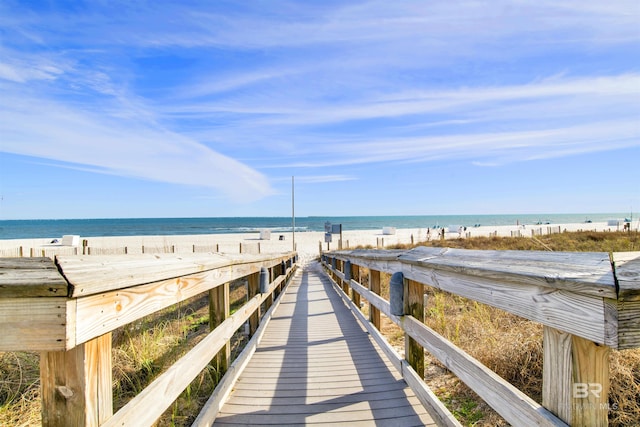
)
(210, 95)
(511, 123)
(126, 147)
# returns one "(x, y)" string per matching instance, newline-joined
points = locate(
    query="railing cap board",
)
(592, 295)
(30, 277)
(376, 254)
(627, 271)
(91, 274)
(588, 273)
(582, 272)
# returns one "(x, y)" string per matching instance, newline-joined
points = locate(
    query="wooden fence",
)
(51, 251)
(588, 303)
(68, 308)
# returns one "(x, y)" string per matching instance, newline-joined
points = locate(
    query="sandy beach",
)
(308, 244)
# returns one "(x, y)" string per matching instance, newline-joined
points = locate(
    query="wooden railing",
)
(67, 310)
(588, 303)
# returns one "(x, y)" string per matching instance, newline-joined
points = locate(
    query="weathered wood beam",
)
(574, 292)
(627, 307)
(578, 272)
(76, 385)
(374, 286)
(627, 270)
(37, 324)
(219, 311)
(253, 289)
(414, 306)
(89, 275)
(30, 277)
(107, 311)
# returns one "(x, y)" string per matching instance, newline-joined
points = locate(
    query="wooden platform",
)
(317, 365)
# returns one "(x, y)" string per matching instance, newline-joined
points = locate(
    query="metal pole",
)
(293, 215)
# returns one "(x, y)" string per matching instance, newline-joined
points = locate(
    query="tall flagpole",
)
(293, 214)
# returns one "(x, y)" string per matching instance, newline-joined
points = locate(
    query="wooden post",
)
(252, 291)
(374, 286)
(76, 384)
(276, 271)
(218, 311)
(283, 272)
(269, 301)
(414, 306)
(335, 265)
(345, 286)
(266, 277)
(355, 274)
(575, 379)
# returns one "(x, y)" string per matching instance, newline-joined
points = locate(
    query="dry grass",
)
(19, 389)
(583, 241)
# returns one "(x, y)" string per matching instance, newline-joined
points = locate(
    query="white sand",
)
(307, 243)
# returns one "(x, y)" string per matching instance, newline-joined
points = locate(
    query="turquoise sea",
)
(45, 228)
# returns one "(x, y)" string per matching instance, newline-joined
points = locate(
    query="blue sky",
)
(161, 109)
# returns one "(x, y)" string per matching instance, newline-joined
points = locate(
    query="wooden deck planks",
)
(317, 365)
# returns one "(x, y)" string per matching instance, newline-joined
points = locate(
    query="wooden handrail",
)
(67, 309)
(587, 302)
(88, 296)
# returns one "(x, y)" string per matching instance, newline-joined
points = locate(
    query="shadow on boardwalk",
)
(317, 365)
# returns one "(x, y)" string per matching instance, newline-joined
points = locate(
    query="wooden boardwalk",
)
(316, 365)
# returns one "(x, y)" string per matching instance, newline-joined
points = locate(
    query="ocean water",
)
(51, 228)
